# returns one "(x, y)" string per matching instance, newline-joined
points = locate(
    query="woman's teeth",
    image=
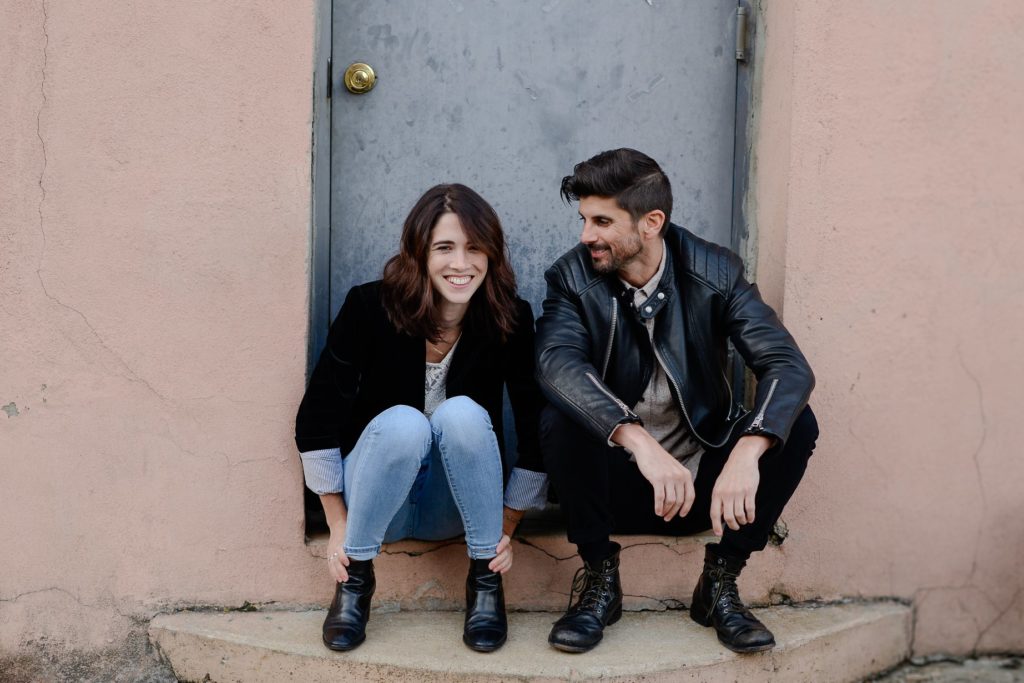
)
(458, 279)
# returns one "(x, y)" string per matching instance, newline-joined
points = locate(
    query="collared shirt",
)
(658, 409)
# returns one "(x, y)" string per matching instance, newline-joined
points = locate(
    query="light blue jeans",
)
(430, 479)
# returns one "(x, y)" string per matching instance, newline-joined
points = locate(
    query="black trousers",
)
(602, 492)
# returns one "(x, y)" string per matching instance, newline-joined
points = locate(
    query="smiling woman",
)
(400, 428)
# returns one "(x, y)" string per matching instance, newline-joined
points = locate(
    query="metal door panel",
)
(505, 97)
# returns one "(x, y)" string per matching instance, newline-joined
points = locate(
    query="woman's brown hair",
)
(407, 293)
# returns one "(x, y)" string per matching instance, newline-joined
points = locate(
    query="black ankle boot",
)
(486, 627)
(599, 605)
(345, 625)
(716, 602)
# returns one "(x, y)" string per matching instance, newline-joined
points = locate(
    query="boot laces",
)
(726, 593)
(592, 587)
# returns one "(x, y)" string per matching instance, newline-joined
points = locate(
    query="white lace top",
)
(436, 382)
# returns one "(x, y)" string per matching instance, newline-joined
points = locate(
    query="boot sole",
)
(577, 649)
(747, 650)
(700, 619)
(479, 648)
(344, 648)
(573, 649)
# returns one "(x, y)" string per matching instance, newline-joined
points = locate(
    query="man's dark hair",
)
(632, 178)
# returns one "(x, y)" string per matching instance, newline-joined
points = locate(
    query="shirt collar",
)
(641, 294)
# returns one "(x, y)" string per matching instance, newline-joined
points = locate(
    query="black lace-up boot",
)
(716, 602)
(599, 605)
(345, 625)
(486, 627)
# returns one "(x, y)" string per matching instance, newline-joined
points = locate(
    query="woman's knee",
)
(458, 414)
(401, 432)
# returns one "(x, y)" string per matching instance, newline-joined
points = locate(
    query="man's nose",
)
(587, 236)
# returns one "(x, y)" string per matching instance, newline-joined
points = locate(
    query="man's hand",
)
(672, 483)
(502, 562)
(510, 519)
(732, 499)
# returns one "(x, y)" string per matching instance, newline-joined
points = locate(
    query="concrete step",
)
(820, 643)
(423, 575)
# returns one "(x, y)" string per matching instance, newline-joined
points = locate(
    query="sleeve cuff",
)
(526, 489)
(324, 471)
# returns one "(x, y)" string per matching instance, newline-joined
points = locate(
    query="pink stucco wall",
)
(154, 237)
(889, 183)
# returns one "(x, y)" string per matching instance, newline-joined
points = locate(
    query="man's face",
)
(610, 234)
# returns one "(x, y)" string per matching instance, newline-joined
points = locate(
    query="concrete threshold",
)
(815, 643)
(420, 575)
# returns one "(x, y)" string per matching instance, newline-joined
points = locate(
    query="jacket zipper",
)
(597, 383)
(611, 339)
(759, 418)
(682, 406)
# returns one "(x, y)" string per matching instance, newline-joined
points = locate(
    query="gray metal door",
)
(505, 97)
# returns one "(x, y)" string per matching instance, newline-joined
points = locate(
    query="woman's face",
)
(455, 265)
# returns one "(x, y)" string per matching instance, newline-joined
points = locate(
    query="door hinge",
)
(330, 78)
(741, 34)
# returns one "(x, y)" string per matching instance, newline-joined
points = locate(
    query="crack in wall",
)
(418, 553)
(531, 544)
(668, 546)
(39, 126)
(983, 414)
(111, 604)
(1002, 613)
(128, 373)
(968, 582)
(976, 459)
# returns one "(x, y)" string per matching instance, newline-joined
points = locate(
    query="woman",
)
(400, 427)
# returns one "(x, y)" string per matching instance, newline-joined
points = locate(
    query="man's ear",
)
(651, 222)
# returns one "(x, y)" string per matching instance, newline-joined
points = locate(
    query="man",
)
(643, 434)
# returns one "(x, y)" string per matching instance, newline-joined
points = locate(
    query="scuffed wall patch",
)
(11, 410)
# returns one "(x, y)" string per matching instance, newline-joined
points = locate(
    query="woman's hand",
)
(337, 560)
(337, 519)
(502, 562)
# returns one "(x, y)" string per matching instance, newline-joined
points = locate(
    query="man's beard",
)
(618, 256)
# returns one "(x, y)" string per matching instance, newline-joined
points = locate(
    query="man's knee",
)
(557, 433)
(804, 434)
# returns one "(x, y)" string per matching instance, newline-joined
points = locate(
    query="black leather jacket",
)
(594, 359)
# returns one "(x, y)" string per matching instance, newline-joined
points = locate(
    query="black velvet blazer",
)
(367, 367)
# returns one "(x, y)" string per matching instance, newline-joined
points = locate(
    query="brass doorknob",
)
(359, 78)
